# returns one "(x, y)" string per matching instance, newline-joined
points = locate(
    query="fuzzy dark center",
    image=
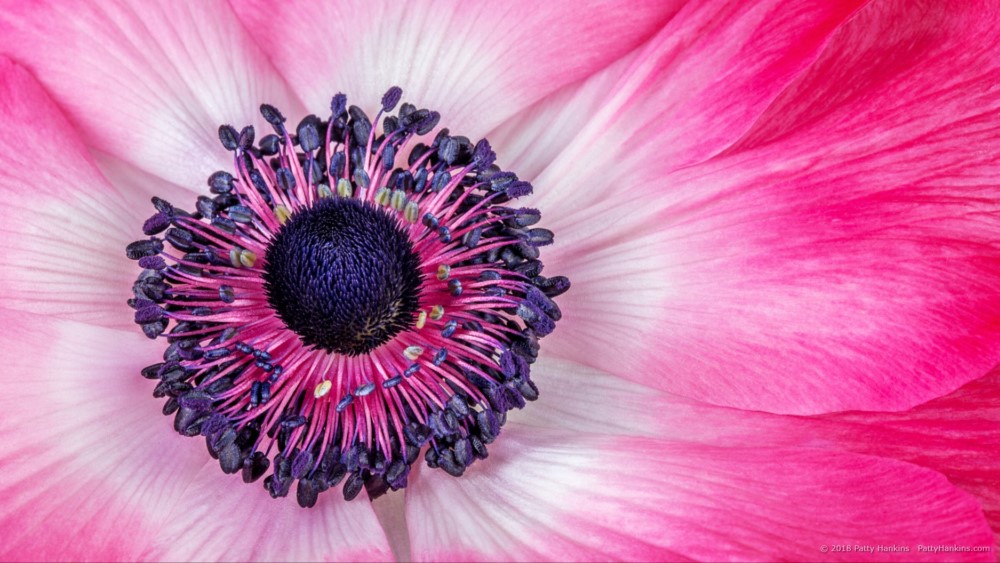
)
(343, 275)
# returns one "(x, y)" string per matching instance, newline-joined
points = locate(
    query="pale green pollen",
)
(344, 188)
(437, 312)
(248, 258)
(239, 257)
(398, 199)
(444, 270)
(413, 352)
(282, 213)
(411, 212)
(322, 388)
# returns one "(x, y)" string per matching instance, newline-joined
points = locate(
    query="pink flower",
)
(780, 221)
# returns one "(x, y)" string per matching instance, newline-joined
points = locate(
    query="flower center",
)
(343, 275)
(350, 296)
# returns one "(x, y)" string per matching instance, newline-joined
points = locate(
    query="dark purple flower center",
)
(343, 275)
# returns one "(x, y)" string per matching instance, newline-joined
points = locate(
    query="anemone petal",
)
(264, 529)
(573, 496)
(957, 435)
(848, 261)
(144, 80)
(692, 91)
(532, 138)
(89, 474)
(475, 62)
(61, 223)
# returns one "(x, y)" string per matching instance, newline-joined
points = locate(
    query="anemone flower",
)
(777, 225)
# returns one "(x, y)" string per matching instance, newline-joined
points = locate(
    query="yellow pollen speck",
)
(344, 188)
(398, 199)
(413, 352)
(437, 312)
(234, 257)
(411, 211)
(444, 271)
(382, 196)
(421, 319)
(323, 191)
(248, 258)
(323, 388)
(282, 213)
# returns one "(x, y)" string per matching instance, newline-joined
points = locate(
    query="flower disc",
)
(347, 298)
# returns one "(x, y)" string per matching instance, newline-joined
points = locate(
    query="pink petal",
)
(63, 227)
(227, 520)
(533, 138)
(571, 496)
(138, 186)
(957, 435)
(148, 82)
(850, 264)
(575, 397)
(597, 194)
(90, 466)
(93, 471)
(897, 66)
(740, 53)
(693, 90)
(475, 62)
